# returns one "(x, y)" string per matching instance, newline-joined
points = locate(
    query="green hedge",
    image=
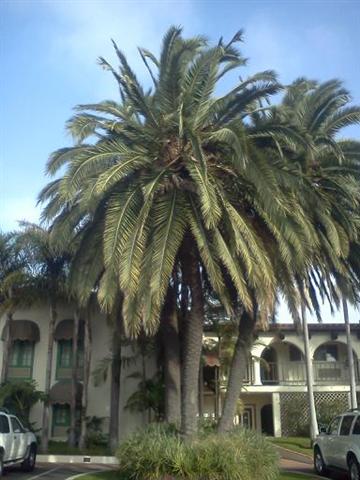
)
(158, 453)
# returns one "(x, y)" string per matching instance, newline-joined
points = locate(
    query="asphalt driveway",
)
(52, 471)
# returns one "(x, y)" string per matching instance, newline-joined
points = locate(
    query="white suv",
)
(17, 444)
(339, 446)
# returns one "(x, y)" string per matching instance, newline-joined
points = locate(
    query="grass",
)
(296, 444)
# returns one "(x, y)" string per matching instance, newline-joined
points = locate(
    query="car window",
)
(356, 429)
(16, 426)
(4, 424)
(334, 426)
(346, 424)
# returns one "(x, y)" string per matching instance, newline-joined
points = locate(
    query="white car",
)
(339, 446)
(17, 444)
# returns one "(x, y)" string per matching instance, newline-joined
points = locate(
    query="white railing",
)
(294, 373)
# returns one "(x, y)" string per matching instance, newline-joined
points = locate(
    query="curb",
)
(308, 457)
(80, 459)
(313, 476)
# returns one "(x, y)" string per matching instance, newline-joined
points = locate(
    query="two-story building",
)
(275, 384)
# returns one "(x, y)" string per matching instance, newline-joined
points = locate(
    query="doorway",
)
(267, 420)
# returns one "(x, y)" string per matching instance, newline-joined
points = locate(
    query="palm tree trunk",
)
(75, 342)
(7, 348)
(193, 332)
(115, 393)
(49, 361)
(353, 398)
(172, 363)
(115, 378)
(237, 372)
(87, 367)
(314, 431)
(201, 391)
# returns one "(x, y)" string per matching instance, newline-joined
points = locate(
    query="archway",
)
(267, 420)
(269, 370)
(331, 363)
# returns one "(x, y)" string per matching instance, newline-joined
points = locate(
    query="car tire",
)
(319, 463)
(28, 464)
(354, 469)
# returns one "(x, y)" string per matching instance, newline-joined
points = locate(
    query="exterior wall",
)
(99, 397)
(255, 395)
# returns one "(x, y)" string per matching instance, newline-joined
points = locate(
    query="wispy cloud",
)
(85, 28)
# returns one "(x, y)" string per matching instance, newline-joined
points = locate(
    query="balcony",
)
(294, 373)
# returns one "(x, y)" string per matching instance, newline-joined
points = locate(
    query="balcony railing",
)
(294, 373)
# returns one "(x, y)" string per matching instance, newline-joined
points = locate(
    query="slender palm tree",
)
(49, 268)
(15, 289)
(319, 112)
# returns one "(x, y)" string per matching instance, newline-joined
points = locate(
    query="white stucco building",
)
(275, 383)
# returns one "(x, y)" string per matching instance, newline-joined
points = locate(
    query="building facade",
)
(273, 400)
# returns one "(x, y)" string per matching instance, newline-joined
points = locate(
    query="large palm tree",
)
(156, 183)
(179, 179)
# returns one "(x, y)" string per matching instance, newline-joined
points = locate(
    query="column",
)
(276, 414)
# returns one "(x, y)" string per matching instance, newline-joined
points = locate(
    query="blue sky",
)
(48, 52)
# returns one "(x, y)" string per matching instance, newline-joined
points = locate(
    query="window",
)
(65, 354)
(64, 359)
(346, 424)
(334, 426)
(61, 415)
(16, 426)
(327, 353)
(356, 429)
(4, 424)
(21, 354)
(295, 354)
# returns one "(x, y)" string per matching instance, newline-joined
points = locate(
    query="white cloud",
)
(84, 30)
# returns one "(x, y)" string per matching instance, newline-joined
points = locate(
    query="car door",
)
(7, 436)
(19, 437)
(343, 442)
(329, 441)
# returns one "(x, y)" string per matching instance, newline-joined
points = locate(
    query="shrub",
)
(329, 409)
(158, 453)
(19, 397)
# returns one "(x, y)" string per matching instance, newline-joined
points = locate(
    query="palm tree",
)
(156, 184)
(49, 270)
(15, 289)
(319, 112)
(180, 179)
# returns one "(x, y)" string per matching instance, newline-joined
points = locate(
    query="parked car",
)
(338, 446)
(17, 444)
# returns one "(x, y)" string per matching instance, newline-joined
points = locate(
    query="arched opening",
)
(331, 363)
(269, 370)
(267, 420)
(282, 363)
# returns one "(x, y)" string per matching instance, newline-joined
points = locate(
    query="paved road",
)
(297, 462)
(52, 471)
